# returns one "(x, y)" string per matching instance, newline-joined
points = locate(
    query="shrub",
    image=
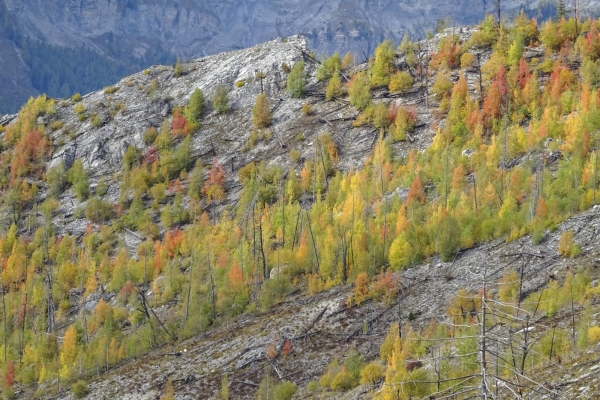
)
(567, 246)
(284, 390)
(272, 291)
(296, 82)
(80, 389)
(153, 87)
(342, 381)
(79, 109)
(76, 97)
(56, 125)
(150, 136)
(294, 155)
(169, 392)
(97, 210)
(240, 84)
(101, 188)
(371, 373)
(96, 120)
(307, 109)
(111, 90)
(400, 82)
(594, 335)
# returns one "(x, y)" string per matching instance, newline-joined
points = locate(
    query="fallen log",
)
(369, 323)
(318, 317)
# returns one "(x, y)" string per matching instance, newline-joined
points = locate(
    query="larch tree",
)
(261, 113)
(296, 82)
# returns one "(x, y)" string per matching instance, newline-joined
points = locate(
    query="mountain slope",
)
(321, 328)
(152, 240)
(129, 35)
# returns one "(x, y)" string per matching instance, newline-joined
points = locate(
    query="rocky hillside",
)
(260, 224)
(322, 328)
(129, 35)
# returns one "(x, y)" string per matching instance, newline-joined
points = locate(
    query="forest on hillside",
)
(514, 155)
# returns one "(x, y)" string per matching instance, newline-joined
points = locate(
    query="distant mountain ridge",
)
(127, 35)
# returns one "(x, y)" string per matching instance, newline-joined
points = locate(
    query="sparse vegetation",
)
(111, 90)
(307, 109)
(80, 389)
(294, 155)
(56, 125)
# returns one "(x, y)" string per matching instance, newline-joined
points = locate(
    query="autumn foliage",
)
(213, 187)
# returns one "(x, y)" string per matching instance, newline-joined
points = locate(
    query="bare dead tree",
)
(383, 194)
(260, 75)
(480, 80)
(576, 12)
(497, 10)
